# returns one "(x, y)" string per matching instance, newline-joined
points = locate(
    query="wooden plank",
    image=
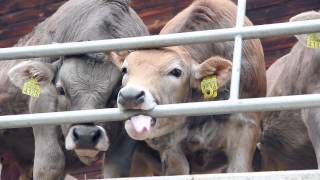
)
(275, 14)
(278, 43)
(18, 30)
(8, 42)
(18, 5)
(20, 16)
(261, 4)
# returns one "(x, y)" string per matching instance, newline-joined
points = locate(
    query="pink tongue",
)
(141, 123)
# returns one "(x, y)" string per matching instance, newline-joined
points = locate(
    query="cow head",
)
(89, 83)
(73, 83)
(303, 38)
(86, 81)
(163, 76)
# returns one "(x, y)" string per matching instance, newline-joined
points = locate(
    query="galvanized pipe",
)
(169, 110)
(276, 175)
(237, 52)
(219, 35)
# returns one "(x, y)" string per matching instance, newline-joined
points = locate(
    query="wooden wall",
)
(277, 11)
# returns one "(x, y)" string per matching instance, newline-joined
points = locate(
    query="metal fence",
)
(234, 104)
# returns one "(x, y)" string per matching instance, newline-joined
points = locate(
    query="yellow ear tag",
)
(31, 88)
(209, 87)
(313, 41)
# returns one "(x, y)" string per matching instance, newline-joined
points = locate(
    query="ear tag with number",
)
(313, 41)
(31, 88)
(209, 87)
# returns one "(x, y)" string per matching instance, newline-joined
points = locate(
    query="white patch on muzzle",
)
(104, 143)
(86, 152)
(87, 156)
(138, 127)
(69, 143)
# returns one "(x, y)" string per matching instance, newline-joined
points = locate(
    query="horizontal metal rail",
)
(219, 35)
(168, 110)
(275, 175)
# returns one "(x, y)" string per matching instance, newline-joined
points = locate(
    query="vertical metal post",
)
(237, 53)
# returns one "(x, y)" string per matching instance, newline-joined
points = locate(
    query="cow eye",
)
(124, 70)
(61, 91)
(176, 72)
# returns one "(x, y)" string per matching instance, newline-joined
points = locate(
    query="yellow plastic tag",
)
(209, 87)
(31, 88)
(313, 41)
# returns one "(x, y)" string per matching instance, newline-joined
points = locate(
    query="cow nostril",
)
(96, 134)
(140, 97)
(75, 134)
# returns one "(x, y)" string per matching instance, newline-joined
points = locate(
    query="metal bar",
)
(237, 53)
(169, 110)
(219, 35)
(236, 68)
(276, 175)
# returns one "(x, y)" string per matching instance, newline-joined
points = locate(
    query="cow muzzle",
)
(89, 138)
(135, 98)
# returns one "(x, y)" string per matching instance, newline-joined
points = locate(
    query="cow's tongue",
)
(141, 123)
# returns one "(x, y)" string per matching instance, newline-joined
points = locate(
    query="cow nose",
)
(131, 97)
(86, 138)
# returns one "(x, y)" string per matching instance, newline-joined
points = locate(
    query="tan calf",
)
(173, 75)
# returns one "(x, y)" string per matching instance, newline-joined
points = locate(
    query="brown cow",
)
(285, 141)
(173, 75)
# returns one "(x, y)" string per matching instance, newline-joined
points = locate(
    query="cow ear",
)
(117, 57)
(21, 73)
(310, 15)
(217, 66)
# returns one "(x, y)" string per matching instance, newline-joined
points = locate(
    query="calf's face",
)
(81, 83)
(88, 84)
(163, 76)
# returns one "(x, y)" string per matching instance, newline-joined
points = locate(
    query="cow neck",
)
(169, 138)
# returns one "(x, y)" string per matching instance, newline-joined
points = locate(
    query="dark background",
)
(18, 17)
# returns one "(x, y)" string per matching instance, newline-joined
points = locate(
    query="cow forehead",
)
(87, 69)
(152, 58)
(89, 75)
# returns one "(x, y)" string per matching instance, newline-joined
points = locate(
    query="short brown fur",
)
(189, 145)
